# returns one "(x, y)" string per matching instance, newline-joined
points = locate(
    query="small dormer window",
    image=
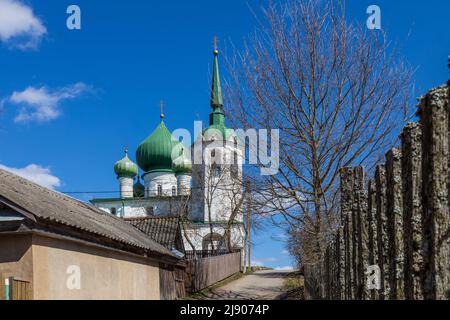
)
(113, 211)
(159, 190)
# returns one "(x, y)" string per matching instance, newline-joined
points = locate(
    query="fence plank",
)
(202, 273)
(394, 214)
(436, 254)
(412, 208)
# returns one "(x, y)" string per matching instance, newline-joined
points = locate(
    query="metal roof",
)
(46, 206)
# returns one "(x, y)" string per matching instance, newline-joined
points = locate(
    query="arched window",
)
(159, 190)
(216, 170)
(213, 241)
(213, 153)
(149, 211)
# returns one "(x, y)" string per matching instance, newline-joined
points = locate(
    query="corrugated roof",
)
(163, 230)
(58, 208)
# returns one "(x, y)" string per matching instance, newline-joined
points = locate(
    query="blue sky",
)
(102, 84)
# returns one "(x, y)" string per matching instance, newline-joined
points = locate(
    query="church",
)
(201, 184)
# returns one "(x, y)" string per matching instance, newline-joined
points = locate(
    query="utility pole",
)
(249, 225)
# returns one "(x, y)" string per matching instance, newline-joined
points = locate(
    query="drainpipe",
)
(7, 289)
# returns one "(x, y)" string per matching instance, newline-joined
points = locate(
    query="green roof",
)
(216, 91)
(182, 164)
(125, 167)
(155, 152)
(217, 116)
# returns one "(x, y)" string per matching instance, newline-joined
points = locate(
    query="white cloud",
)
(262, 261)
(43, 104)
(36, 174)
(285, 252)
(19, 27)
(284, 268)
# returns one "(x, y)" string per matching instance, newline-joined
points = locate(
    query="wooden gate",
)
(18, 289)
(171, 282)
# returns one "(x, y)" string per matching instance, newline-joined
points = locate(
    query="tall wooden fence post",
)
(435, 156)
(394, 214)
(382, 240)
(372, 246)
(412, 209)
(361, 232)
(346, 177)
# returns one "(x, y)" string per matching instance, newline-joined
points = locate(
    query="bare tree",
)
(219, 185)
(338, 93)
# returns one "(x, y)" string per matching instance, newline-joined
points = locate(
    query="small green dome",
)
(126, 167)
(182, 164)
(138, 189)
(155, 152)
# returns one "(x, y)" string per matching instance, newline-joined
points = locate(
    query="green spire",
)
(217, 116)
(216, 91)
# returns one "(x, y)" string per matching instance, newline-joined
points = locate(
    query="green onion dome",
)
(155, 152)
(182, 164)
(138, 189)
(125, 167)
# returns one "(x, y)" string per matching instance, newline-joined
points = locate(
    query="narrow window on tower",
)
(159, 190)
(217, 170)
(174, 191)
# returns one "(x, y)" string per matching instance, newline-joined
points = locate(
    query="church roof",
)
(155, 152)
(54, 212)
(182, 164)
(217, 116)
(125, 167)
(164, 230)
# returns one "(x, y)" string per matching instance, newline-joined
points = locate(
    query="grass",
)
(294, 286)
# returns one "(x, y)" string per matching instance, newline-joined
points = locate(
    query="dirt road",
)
(264, 285)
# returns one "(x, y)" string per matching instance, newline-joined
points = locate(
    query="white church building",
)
(201, 184)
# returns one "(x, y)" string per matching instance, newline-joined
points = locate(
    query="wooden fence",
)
(199, 254)
(394, 237)
(202, 273)
(172, 282)
(18, 290)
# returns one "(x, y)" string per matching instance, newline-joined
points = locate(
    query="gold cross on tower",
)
(161, 109)
(216, 44)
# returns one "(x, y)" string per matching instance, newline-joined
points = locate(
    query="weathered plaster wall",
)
(105, 274)
(16, 257)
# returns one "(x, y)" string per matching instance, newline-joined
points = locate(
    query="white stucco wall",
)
(197, 232)
(129, 208)
(213, 199)
(126, 187)
(166, 180)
